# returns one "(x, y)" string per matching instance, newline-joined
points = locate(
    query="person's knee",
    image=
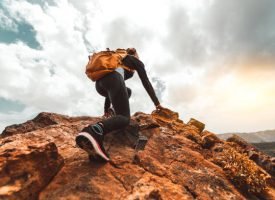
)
(125, 120)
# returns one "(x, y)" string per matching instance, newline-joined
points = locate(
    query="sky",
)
(212, 60)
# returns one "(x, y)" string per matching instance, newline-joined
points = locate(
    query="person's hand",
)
(159, 107)
(109, 113)
(106, 115)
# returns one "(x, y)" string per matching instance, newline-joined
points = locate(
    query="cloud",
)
(16, 29)
(121, 33)
(241, 30)
(6, 22)
(7, 106)
(184, 41)
(42, 3)
(25, 76)
(159, 86)
(206, 59)
(228, 47)
(222, 31)
(16, 117)
(51, 78)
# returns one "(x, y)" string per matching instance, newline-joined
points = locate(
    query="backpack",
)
(104, 62)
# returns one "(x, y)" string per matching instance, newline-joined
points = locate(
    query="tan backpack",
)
(104, 62)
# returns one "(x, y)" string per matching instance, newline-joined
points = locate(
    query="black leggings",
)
(107, 103)
(113, 87)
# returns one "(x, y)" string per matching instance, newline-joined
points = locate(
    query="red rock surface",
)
(27, 165)
(39, 160)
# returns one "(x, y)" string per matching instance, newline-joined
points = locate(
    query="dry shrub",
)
(241, 170)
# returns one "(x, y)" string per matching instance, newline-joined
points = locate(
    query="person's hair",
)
(131, 51)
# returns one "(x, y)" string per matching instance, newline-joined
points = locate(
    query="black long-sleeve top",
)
(138, 66)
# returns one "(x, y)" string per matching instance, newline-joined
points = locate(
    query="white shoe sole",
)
(95, 145)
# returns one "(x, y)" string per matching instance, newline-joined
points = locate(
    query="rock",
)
(42, 120)
(145, 121)
(26, 167)
(196, 123)
(209, 139)
(241, 170)
(166, 116)
(175, 163)
(176, 160)
(158, 188)
(259, 157)
(253, 155)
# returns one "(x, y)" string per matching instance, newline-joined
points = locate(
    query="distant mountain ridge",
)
(253, 137)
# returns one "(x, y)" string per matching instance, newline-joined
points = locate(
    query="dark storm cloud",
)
(235, 31)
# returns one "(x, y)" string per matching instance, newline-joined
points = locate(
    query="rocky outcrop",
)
(42, 120)
(263, 160)
(39, 160)
(27, 166)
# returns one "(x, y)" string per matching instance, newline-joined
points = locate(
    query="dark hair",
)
(131, 51)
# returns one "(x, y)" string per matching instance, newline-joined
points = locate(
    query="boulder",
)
(27, 167)
(199, 125)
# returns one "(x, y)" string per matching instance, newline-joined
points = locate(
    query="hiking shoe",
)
(91, 142)
(96, 158)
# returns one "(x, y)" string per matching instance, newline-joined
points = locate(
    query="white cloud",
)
(53, 78)
(7, 23)
(15, 117)
(202, 52)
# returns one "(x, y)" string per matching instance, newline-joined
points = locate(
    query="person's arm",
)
(128, 74)
(133, 62)
(147, 84)
(107, 105)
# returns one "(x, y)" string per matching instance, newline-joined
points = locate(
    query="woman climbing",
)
(110, 83)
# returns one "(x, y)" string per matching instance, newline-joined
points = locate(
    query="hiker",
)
(108, 110)
(111, 85)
